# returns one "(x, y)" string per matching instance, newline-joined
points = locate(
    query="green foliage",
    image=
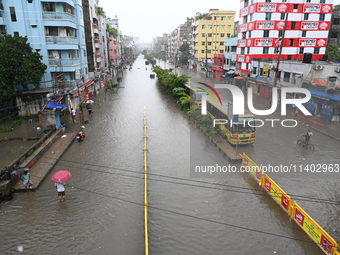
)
(19, 65)
(108, 85)
(333, 53)
(184, 103)
(178, 92)
(184, 54)
(112, 31)
(101, 12)
(119, 79)
(200, 16)
(115, 84)
(82, 105)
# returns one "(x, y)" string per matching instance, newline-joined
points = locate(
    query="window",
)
(209, 51)
(286, 76)
(268, 16)
(284, 1)
(203, 43)
(249, 34)
(316, 50)
(221, 51)
(276, 50)
(293, 25)
(305, 16)
(291, 42)
(16, 33)
(203, 26)
(209, 43)
(229, 27)
(203, 34)
(265, 50)
(228, 35)
(301, 50)
(222, 35)
(210, 35)
(266, 33)
(48, 7)
(308, 1)
(268, 1)
(13, 16)
(304, 33)
(222, 26)
(322, 1)
(221, 43)
(322, 17)
(296, 6)
(242, 50)
(251, 17)
(223, 18)
(280, 33)
(202, 51)
(283, 15)
(248, 50)
(289, 57)
(209, 26)
(229, 17)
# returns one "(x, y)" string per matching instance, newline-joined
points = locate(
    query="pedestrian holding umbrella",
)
(89, 101)
(89, 108)
(20, 170)
(59, 178)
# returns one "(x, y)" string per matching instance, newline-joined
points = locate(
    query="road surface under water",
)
(103, 214)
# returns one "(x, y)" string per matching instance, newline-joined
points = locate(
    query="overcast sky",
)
(151, 18)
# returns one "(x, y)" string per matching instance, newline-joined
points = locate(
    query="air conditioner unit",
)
(337, 69)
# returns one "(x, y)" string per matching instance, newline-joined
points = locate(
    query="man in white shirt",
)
(61, 191)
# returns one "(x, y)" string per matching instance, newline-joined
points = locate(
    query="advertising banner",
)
(277, 193)
(252, 168)
(262, 25)
(264, 42)
(266, 7)
(313, 230)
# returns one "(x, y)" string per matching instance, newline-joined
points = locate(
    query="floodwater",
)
(222, 214)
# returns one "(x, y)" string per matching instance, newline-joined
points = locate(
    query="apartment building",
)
(55, 29)
(95, 34)
(299, 26)
(210, 31)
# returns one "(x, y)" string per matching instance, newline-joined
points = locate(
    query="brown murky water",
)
(104, 210)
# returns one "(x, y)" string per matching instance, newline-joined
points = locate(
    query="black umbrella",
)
(20, 170)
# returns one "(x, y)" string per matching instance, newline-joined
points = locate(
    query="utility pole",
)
(280, 51)
(206, 56)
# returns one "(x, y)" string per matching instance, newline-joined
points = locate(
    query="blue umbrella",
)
(20, 170)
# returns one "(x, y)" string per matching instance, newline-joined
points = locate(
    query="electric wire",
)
(243, 189)
(198, 218)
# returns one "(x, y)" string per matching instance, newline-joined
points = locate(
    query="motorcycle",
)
(80, 135)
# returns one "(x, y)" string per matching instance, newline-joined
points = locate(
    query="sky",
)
(151, 18)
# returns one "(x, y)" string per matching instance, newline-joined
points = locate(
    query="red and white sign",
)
(309, 25)
(242, 43)
(312, 8)
(266, 7)
(263, 42)
(282, 8)
(242, 28)
(262, 25)
(280, 25)
(240, 58)
(307, 42)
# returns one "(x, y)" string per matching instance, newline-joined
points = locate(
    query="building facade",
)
(300, 26)
(55, 29)
(334, 31)
(209, 34)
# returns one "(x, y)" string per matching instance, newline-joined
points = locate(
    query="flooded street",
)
(223, 214)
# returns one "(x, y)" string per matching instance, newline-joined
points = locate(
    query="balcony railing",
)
(61, 39)
(63, 62)
(58, 16)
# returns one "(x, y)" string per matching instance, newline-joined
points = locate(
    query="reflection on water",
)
(104, 209)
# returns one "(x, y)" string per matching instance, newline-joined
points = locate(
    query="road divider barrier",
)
(315, 232)
(146, 213)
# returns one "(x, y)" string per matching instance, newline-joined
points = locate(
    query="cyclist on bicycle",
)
(307, 136)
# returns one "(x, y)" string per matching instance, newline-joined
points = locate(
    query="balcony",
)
(61, 40)
(63, 62)
(58, 16)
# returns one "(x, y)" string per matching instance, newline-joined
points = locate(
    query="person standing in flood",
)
(73, 114)
(60, 187)
(26, 179)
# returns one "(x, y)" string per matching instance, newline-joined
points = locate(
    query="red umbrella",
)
(61, 176)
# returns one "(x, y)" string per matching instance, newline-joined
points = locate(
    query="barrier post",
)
(146, 220)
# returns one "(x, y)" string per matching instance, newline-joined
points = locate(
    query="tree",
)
(111, 30)
(19, 65)
(333, 53)
(185, 54)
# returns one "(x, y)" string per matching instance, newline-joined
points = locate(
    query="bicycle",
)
(304, 144)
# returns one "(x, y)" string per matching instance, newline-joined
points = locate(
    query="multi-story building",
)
(186, 36)
(210, 31)
(334, 31)
(95, 35)
(55, 29)
(298, 26)
(113, 45)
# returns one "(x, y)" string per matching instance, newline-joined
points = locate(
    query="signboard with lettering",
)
(242, 43)
(312, 8)
(263, 42)
(240, 58)
(266, 7)
(309, 25)
(265, 25)
(307, 42)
